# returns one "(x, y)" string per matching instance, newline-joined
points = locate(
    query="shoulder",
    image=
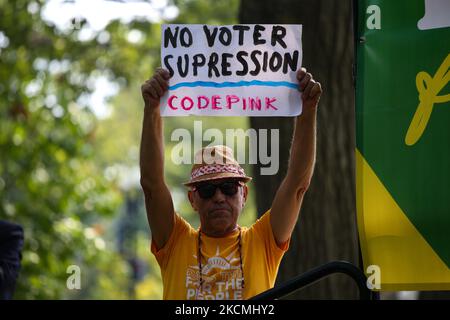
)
(182, 229)
(11, 237)
(182, 226)
(9, 229)
(260, 226)
(262, 231)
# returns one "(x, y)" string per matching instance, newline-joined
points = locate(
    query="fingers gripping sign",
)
(311, 89)
(155, 87)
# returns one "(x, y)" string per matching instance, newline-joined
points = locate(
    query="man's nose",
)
(218, 196)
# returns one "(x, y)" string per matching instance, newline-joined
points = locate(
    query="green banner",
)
(403, 141)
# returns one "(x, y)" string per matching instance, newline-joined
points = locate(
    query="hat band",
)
(217, 168)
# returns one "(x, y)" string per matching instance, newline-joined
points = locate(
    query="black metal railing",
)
(317, 274)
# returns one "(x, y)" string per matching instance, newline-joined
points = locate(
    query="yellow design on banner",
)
(428, 89)
(390, 241)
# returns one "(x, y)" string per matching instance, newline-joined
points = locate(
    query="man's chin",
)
(221, 222)
(219, 213)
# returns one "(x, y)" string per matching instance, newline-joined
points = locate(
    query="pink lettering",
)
(269, 102)
(200, 98)
(215, 103)
(255, 103)
(222, 102)
(170, 102)
(232, 99)
(183, 103)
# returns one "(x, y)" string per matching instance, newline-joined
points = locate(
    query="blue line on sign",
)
(234, 84)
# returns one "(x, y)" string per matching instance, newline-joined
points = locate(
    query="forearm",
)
(288, 199)
(152, 150)
(303, 150)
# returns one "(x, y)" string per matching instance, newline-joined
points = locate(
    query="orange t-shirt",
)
(221, 271)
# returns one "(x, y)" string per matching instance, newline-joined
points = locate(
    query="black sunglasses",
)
(208, 190)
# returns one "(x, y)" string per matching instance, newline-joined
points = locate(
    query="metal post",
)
(317, 274)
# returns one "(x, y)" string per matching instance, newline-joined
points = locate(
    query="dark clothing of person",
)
(11, 243)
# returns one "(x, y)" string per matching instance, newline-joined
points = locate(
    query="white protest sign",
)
(233, 70)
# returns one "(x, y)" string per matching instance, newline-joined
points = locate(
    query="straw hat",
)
(215, 162)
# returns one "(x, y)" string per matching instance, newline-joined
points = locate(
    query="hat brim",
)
(217, 176)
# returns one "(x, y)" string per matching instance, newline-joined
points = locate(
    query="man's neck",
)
(219, 234)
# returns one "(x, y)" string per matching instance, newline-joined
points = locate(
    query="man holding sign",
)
(221, 260)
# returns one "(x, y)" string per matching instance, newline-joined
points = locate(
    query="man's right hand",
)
(155, 87)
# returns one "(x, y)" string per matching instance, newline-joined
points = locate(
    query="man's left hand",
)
(311, 89)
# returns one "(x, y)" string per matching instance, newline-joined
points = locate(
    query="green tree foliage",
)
(207, 11)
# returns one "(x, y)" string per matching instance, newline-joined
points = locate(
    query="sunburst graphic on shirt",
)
(218, 263)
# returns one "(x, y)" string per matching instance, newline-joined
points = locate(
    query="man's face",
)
(218, 209)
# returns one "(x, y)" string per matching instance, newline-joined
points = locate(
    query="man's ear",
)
(245, 194)
(191, 199)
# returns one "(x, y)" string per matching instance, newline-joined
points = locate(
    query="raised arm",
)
(288, 199)
(158, 201)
